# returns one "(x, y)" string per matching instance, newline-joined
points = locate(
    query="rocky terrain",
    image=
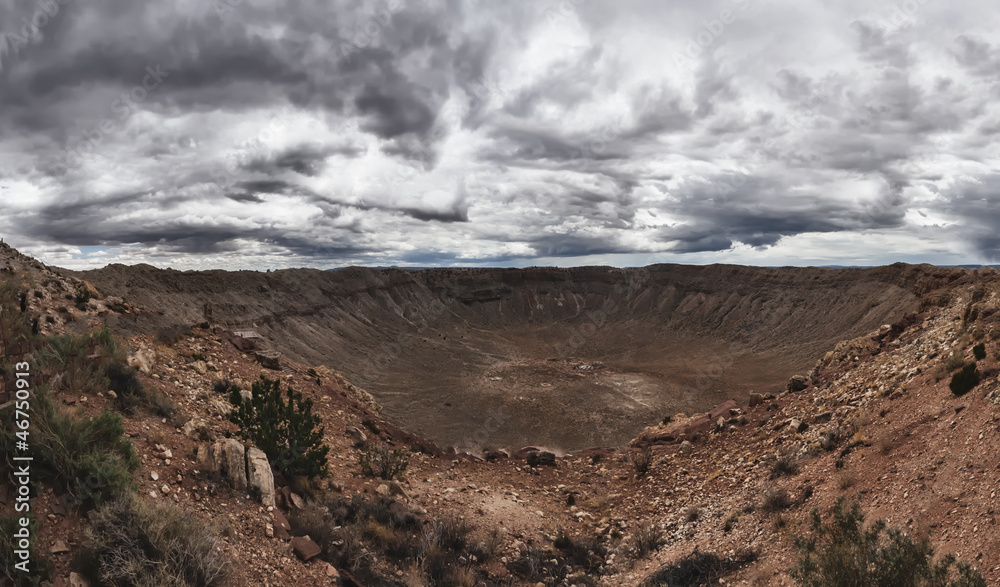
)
(796, 387)
(571, 358)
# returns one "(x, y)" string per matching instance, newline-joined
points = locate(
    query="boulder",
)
(357, 435)
(196, 428)
(90, 289)
(541, 458)
(143, 360)
(259, 476)
(200, 367)
(269, 360)
(282, 529)
(305, 548)
(227, 457)
(797, 383)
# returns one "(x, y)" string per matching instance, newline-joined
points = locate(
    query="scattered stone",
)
(59, 547)
(282, 529)
(357, 435)
(798, 425)
(78, 580)
(305, 548)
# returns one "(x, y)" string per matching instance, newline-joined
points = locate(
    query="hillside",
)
(869, 416)
(435, 345)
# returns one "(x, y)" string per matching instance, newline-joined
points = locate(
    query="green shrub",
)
(288, 432)
(90, 455)
(124, 381)
(963, 381)
(843, 552)
(979, 351)
(641, 461)
(38, 568)
(134, 542)
(383, 462)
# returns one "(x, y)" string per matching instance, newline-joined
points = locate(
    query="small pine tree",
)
(963, 381)
(288, 432)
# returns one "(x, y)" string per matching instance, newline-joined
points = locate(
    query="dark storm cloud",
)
(433, 131)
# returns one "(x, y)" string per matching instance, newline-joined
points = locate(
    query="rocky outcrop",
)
(243, 468)
(259, 476)
(269, 360)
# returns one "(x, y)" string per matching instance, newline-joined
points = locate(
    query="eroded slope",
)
(566, 358)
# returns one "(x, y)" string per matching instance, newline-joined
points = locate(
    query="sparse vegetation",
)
(288, 432)
(81, 299)
(699, 568)
(124, 381)
(171, 334)
(963, 381)
(384, 462)
(846, 478)
(222, 386)
(90, 456)
(843, 552)
(979, 351)
(642, 461)
(646, 538)
(784, 464)
(38, 569)
(775, 499)
(352, 533)
(135, 542)
(953, 361)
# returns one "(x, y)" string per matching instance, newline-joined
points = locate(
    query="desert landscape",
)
(479, 293)
(683, 439)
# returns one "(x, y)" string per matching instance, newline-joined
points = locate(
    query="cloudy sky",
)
(261, 134)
